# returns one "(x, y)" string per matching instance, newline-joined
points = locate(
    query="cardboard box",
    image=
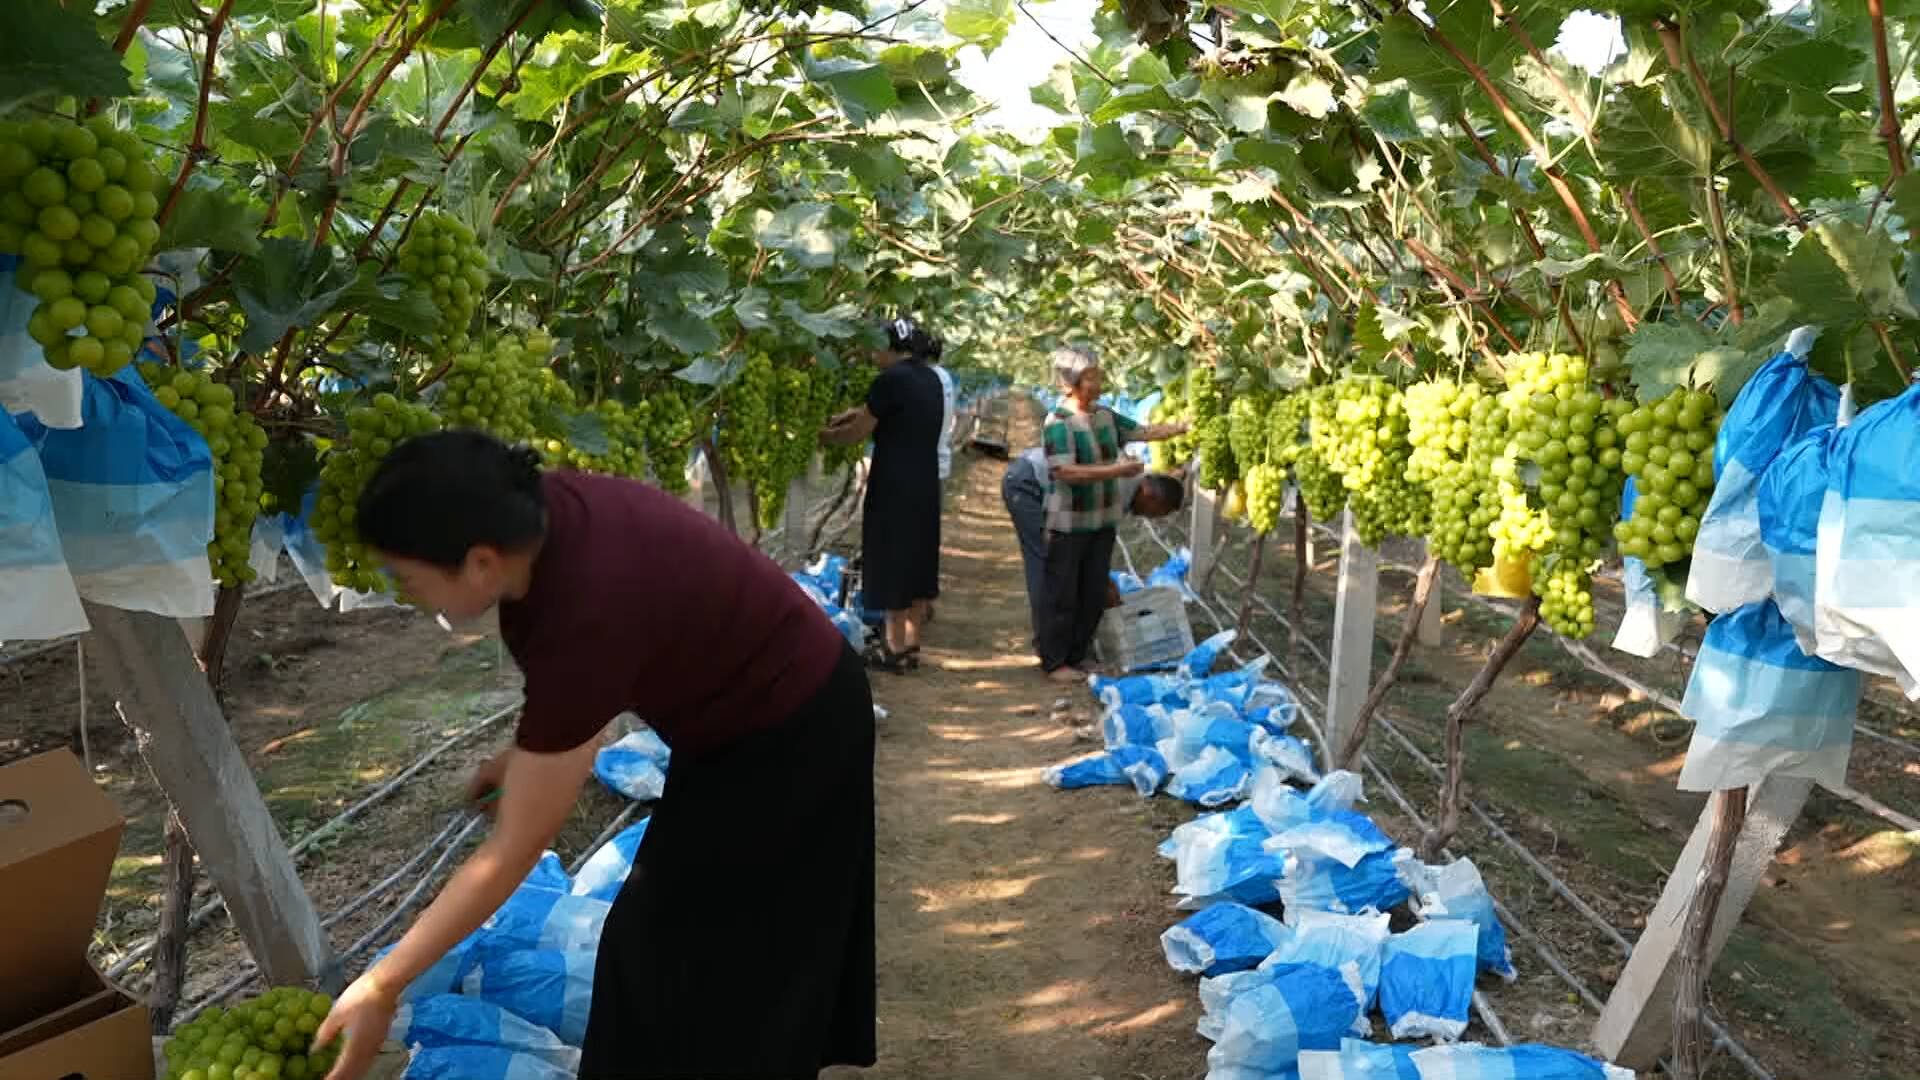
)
(59, 1019)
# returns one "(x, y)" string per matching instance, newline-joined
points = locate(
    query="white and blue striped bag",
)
(453, 1020)
(1866, 611)
(1457, 891)
(41, 601)
(606, 870)
(635, 766)
(540, 918)
(1314, 884)
(1791, 495)
(1780, 403)
(1345, 836)
(132, 492)
(1215, 778)
(1646, 626)
(466, 1061)
(1471, 1061)
(1222, 939)
(1269, 1021)
(1359, 1060)
(1426, 980)
(1350, 944)
(27, 384)
(549, 987)
(1213, 867)
(1762, 707)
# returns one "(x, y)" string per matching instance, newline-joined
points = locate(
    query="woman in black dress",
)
(900, 525)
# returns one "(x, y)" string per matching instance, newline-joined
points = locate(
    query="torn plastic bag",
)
(1140, 766)
(34, 577)
(1212, 726)
(1762, 707)
(464, 1061)
(1426, 980)
(1136, 725)
(1457, 891)
(1350, 944)
(1781, 402)
(1215, 778)
(606, 870)
(548, 987)
(636, 766)
(1293, 758)
(1296, 1007)
(1278, 806)
(447, 1020)
(1359, 1060)
(1324, 885)
(1471, 1061)
(1866, 600)
(1338, 790)
(1344, 836)
(1791, 494)
(1222, 939)
(1646, 626)
(1198, 663)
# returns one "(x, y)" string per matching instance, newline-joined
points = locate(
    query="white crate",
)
(1149, 627)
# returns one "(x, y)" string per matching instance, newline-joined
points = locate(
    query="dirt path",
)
(1018, 926)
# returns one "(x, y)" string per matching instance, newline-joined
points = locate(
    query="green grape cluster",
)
(263, 1038)
(238, 444)
(78, 204)
(497, 389)
(748, 426)
(1464, 498)
(1266, 491)
(1320, 486)
(1287, 428)
(1170, 455)
(1210, 433)
(626, 431)
(1667, 447)
(1560, 481)
(800, 410)
(1439, 425)
(1365, 442)
(443, 252)
(1247, 429)
(670, 432)
(372, 432)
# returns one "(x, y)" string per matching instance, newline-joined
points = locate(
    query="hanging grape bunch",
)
(77, 204)
(1320, 485)
(1266, 491)
(747, 430)
(1287, 428)
(372, 432)
(1667, 447)
(1212, 439)
(626, 433)
(1559, 480)
(443, 252)
(263, 1038)
(670, 432)
(1173, 409)
(1465, 496)
(1367, 445)
(791, 442)
(238, 445)
(1247, 428)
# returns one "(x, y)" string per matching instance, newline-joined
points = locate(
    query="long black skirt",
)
(742, 945)
(900, 546)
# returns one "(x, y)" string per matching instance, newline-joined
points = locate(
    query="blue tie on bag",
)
(1295, 1007)
(1762, 707)
(1222, 939)
(635, 766)
(132, 491)
(1471, 1061)
(607, 869)
(1780, 403)
(41, 601)
(1312, 884)
(1359, 1060)
(449, 1020)
(1866, 612)
(1426, 980)
(551, 988)
(1457, 891)
(1792, 493)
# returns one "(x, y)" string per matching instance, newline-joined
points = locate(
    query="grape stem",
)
(1447, 822)
(198, 147)
(324, 114)
(1416, 610)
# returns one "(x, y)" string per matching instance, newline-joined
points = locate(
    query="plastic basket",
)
(1148, 629)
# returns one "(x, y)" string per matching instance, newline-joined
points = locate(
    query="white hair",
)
(1072, 361)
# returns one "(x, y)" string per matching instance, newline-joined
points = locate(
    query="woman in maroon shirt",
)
(742, 944)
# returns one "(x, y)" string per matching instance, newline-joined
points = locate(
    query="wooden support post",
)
(1429, 635)
(1636, 1028)
(1206, 512)
(163, 696)
(1351, 674)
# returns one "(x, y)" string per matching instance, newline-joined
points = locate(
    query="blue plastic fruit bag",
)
(1121, 765)
(1457, 891)
(1297, 1007)
(1198, 663)
(548, 987)
(1866, 612)
(1471, 1061)
(1791, 495)
(1312, 884)
(1350, 944)
(1761, 707)
(1426, 980)
(1215, 778)
(635, 766)
(456, 1020)
(606, 870)
(1344, 836)
(41, 601)
(1222, 939)
(1359, 1060)
(464, 1061)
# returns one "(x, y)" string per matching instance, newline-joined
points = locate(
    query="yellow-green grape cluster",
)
(670, 433)
(238, 445)
(77, 204)
(1366, 443)
(1287, 428)
(1247, 429)
(443, 252)
(747, 426)
(264, 1038)
(1464, 497)
(800, 411)
(1266, 490)
(1439, 425)
(626, 431)
(1169, 455)
(1211, 438)
(1667, 447)
(1320, 485)
(372, 432)
(1559, 482)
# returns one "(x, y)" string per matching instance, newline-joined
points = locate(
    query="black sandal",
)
(911, 658)
(879, 659)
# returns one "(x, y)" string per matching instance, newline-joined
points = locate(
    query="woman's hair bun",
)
(523, 468)
(906, 336)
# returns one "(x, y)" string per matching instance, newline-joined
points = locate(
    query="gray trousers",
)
(1026, 503)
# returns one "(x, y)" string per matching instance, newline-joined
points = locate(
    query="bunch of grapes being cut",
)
(268, 1037)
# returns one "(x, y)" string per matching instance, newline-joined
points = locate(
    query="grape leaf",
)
(1842, 273)
(712, 370)
(211, 218)
(802, 231)
(863, 90)
(287, 285)
(1642, 136)
(1905, 194)
(1391, 115)
(684, 330)
(395, 300)
(51, 50)
(980, 22)
(1818, 65)
(1660, 355)
(582, 431)
(753, 308)
(837, 322)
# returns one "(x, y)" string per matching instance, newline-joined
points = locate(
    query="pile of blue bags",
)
(1294, 895)
(511, 1001)
(822, 580)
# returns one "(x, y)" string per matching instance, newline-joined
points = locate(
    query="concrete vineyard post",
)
(1351, 674)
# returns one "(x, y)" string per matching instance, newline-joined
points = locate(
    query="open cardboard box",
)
(59, 1019)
